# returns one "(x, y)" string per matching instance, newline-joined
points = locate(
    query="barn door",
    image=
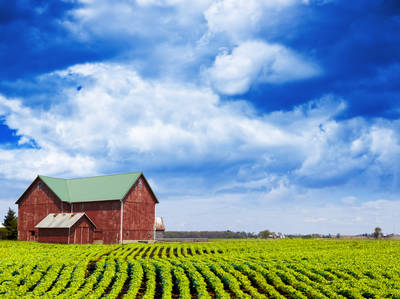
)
(77, 235)
(85, 235)
(32, 235)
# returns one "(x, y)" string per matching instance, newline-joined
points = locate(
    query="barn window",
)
(140, 184)
(127, 233)
(149, 234)
(32, 233)
(39, 186)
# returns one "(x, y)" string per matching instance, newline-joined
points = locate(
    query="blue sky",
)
(243, 115)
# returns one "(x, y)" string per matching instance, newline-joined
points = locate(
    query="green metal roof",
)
(98, 188)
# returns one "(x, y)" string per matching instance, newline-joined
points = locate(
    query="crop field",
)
(222, 269)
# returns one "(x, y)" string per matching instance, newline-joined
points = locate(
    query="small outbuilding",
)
(68, 228)
(160, 228)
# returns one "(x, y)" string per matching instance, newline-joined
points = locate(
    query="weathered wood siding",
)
(82, 232)
(139, 212)
(53, 235)
(34, 206)
(106, 215)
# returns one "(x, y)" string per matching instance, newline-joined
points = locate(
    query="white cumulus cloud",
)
(257, 61)
(119, 119)
(118, 114)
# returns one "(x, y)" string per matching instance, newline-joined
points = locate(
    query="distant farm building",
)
(103, 209)
(160, 228)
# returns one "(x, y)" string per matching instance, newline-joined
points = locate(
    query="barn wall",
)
(34, 206)
(106, 217)
(139, 213)
(53, 235)
(82, 232)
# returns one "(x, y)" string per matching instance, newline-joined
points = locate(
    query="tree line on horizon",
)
(10, 232)
(209, 234)
(265, 234)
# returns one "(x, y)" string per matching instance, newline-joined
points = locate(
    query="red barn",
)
(103, 209)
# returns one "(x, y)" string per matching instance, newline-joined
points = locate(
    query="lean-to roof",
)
(61, 220)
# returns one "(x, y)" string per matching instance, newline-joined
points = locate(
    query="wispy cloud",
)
(241, 19)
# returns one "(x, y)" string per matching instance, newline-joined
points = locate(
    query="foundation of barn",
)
(138, 241)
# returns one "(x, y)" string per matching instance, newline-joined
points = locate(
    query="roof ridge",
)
(51, 177)
(95, 176)
(66, 213)
(104, 175)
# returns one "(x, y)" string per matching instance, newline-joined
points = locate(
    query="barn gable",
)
(33, 186)
(35, 203)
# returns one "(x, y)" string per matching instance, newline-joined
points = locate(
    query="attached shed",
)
(68, 228)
